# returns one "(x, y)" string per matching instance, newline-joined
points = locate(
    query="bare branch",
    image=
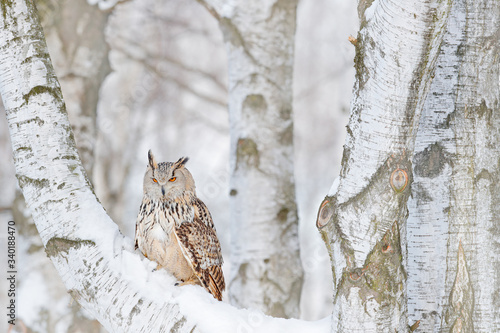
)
(154, 70)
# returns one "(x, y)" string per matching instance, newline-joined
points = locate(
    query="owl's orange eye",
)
(172, 179)
(154, 179)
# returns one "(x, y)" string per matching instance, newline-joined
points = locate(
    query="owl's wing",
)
(201, 247)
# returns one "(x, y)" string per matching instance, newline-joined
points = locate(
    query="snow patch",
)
(143, 274)
(103, 4)
(369, 12)
(210, 315)
(31, 298)
(335, 187)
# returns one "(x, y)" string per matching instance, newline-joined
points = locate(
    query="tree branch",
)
(161, 74)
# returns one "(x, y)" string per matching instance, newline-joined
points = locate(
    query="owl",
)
(175, 229)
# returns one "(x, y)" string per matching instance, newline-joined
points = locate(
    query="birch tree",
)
(453, 224)
(266, 272)
(445, 143)
(80, 55)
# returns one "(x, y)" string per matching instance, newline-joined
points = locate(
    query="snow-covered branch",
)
(96, 262)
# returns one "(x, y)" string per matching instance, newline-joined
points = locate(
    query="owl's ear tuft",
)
(152, 161)
(181, 162)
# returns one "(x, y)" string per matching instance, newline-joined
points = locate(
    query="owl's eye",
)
(154, 179)
(172, 179)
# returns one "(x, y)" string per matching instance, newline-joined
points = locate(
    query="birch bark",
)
(266, 272)
(80, 53)
(452, 232)
(473, 255)
(363, 218)
(429, 205)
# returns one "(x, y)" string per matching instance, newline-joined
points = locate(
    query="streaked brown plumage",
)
(175, 228)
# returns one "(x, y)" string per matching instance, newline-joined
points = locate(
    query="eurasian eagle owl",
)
(175, 228)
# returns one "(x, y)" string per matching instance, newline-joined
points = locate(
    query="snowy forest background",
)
(166, 90)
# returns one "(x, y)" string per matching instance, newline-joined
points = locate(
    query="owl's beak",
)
(163, 190)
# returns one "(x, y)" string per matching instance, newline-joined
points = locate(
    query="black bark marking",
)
(56, 245)
(247, 153)
(430, 162)
(256, 103)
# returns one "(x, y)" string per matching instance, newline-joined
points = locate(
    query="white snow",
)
(371, 10)
(213, 316)
(335, 187)
(104, 4)
(32, 297)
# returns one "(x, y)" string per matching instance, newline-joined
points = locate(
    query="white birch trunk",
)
(96, 263)
(435, 150)
(363, 218)
(454, 210)
(75, 34)
(266, 272)
(429, 205)
(473, 257)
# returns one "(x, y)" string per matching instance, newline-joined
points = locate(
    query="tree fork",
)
(363, 218)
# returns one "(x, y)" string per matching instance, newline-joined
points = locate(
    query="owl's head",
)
(167, 180)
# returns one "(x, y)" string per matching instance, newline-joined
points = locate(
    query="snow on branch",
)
(96, 262)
